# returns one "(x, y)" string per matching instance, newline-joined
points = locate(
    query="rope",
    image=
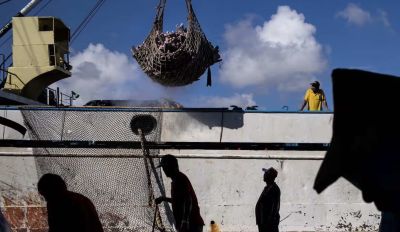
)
(155, 219)
(222, 126)
(158, 11)
(63, 121)
(152, 200)
(189, 6)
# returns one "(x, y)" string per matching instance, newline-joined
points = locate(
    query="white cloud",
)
(101, 74)
(281, 53)
(72, 50)
(384, 18)
(241, 100)
(328, 50)
(355, 15)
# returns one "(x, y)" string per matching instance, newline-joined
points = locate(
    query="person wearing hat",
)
(185, 206)
(315, 97)
(268, 205)
(67, 211)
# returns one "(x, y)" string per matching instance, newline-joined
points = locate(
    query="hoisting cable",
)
(1, 3)
(87, 20)
(87, 16)
(5, 41)
(42, 8)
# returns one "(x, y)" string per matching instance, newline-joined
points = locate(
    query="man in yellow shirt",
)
(315, 97)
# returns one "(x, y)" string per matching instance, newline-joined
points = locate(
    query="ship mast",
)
(32, 4)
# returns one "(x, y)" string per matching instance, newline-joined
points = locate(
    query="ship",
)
(107, 150)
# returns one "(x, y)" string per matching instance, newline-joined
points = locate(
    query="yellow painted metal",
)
(40, 55)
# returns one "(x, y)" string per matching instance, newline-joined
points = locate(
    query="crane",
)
(32, 4)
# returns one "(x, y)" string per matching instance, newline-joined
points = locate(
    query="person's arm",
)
(162, 199)
(303, 105)
(53, 218)
(265, 210)
(305, 101)
(187, 206)
(326, 106)
(187, 209)
(95, 220)
(259, 209)
(275, 205)
(325, 102)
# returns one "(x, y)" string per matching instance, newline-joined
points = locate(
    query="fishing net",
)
(122, 183)
(184, 66)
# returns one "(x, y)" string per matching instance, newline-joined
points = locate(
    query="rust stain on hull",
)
(21, 199)
(8, 202)
(28, 219)
(16, 216)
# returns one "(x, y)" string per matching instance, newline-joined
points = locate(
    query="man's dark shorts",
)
(273, 228)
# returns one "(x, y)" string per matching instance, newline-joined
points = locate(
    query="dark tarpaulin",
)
(365, 147)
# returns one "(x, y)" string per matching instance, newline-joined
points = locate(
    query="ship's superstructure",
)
(40, 55)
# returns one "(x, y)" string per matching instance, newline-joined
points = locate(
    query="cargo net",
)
(181, 67)
(122, 183)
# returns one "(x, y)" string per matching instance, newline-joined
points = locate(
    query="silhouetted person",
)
(184, 202)
(4, 226)
(390, 222)
(315, 97)
(268, 205)
(67, 211)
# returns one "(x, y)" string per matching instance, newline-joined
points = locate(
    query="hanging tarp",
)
(366, 136)
(183, 66)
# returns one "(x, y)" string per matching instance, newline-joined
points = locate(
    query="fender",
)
(13, 125)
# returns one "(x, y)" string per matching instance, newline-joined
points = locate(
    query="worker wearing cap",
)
(315, 97)
(184, 202)
(268, 205)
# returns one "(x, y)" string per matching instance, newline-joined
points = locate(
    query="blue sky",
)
(303, 41)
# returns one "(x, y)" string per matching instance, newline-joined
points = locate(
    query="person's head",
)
(170, 166)
(269, 175)
(50, 185)
(315, 86)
